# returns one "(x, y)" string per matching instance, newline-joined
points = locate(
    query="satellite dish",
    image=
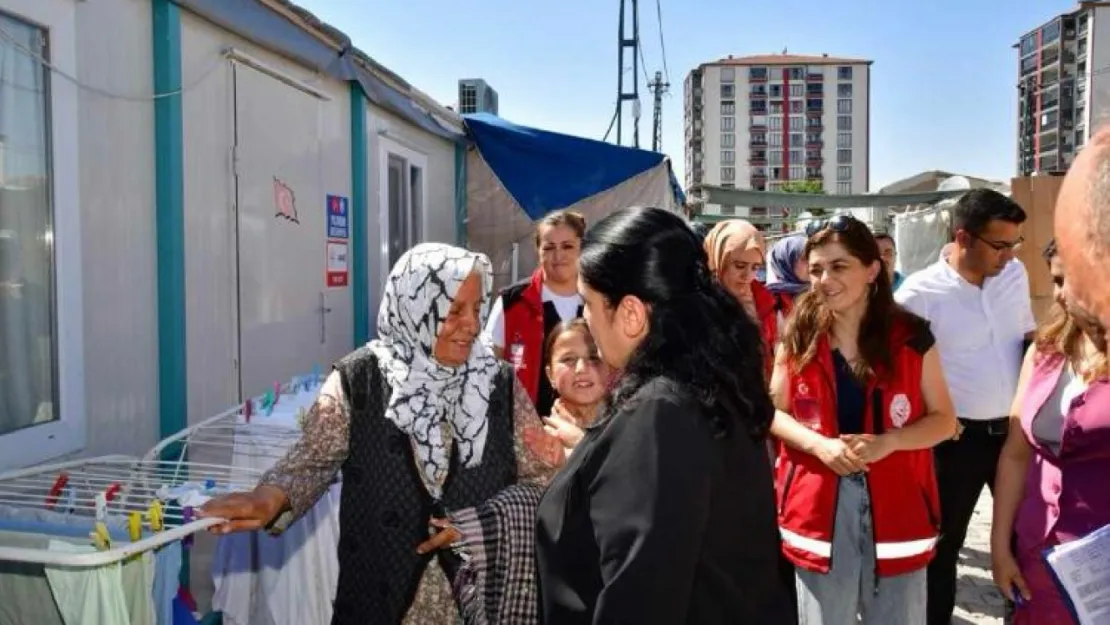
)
(955, 183)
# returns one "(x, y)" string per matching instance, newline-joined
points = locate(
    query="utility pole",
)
(631, 46)
(658, 88)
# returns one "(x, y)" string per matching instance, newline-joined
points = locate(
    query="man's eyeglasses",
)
(836, 223)
(1000, 246)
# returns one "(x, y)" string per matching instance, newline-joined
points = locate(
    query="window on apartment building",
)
(728, 108)
(844, 157)
(728, 210)
(844, 172)
(776, 91)
(775, 140)
(813, 137)
(797, 106)
(844, 107)
(844, 72)
(728, 157)
(728, 124)
(795, 156)
(776, 108)
(1028, 44)
(729, 140)
(796, 73)
(728, 174)
(728, 74)
(844, 122)
(1050, 33)
(774, 186)
(797, 91)
(759, 171)
(757, 73)
(797, 172)
(728, 91)
(28, 365)
(843, 139)
(775, 123)
(797, 140)
(797, 123)
(844, 188)
(844, 90)
(774, 157)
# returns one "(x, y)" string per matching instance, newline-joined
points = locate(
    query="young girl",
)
(578, 376)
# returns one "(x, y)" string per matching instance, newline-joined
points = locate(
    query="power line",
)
(662, 45)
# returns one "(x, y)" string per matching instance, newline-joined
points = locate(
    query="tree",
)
(812, 187)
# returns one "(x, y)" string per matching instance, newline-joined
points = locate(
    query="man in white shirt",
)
(977, 302)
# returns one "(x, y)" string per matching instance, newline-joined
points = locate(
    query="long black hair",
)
(699, 337)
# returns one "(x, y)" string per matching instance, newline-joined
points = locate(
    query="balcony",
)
(814, 124)
(758, 127)
(816, 144)
(814, 112)
(757, 76)
(757, 143)
(815, 78)
(755, 159)
(759, 95)
(814, 161)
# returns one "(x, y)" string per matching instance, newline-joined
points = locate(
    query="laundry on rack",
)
(191, 494)
(24, 587)
(167, 571)
(87, 595)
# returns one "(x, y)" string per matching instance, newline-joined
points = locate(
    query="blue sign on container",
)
(338, 216)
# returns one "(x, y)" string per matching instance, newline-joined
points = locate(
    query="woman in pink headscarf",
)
(736, 251)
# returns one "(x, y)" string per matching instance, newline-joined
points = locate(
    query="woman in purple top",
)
(1059, 432)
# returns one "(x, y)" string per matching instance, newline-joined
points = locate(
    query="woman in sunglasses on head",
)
(860, 401)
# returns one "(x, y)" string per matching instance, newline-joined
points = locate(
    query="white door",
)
(283, 308)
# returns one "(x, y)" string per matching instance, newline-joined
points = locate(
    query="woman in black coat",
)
(665, 511)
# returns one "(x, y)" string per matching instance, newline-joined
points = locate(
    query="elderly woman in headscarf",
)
(735, 251)
(432, 432)
(788, 276)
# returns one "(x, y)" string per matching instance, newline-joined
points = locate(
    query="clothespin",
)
(56, 490)
(187, 517)
(154, 515)
(209, 484)
(112, 491)
(135, 526)
(71, 499)
(100, 537)
(248, 407)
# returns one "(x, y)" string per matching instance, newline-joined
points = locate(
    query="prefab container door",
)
(283, 307)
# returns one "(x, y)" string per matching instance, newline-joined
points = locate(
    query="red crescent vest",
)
(523, 306)
(905, 504)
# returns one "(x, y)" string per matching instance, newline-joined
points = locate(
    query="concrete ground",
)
(978, 601)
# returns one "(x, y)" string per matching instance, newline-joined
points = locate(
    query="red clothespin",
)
(112, 491)
(247, 408)
(56, 490)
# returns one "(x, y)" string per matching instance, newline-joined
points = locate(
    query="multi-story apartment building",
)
(1062, 73)
(475, 96)
(757, 122)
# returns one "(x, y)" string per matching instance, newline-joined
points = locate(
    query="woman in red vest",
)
(735, 250)
(526, 312)
(861, 401)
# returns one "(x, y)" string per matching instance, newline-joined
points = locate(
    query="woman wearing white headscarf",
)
(430, 430)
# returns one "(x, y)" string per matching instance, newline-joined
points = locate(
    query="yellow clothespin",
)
(154, 515)
(135, 526)
(101, 539)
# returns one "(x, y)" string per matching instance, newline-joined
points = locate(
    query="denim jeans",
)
(851, 592)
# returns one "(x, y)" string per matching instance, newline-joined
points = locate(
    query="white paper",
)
(1082, 567)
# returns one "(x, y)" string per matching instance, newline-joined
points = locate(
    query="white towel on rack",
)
(87, 595)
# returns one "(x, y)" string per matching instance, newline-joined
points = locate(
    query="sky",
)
(943, 91)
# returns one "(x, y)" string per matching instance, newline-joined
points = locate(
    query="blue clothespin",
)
(209, 484)
(187, 517)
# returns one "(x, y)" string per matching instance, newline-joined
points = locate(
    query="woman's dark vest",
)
(384, 509)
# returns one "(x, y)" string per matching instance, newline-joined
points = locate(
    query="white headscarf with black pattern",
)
(426, 394)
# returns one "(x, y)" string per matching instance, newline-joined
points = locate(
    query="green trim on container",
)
(169, 208)
(169, 221)
(360, 224)
(460, 193)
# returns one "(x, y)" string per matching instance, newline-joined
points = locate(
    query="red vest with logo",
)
(768, 324)
(905, 505)
(523, 306)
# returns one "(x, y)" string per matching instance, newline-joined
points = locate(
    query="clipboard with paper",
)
(1081, 569)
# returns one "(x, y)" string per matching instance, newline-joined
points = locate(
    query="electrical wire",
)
(662, 44)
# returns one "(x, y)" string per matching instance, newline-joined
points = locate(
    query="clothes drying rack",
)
(125, 506)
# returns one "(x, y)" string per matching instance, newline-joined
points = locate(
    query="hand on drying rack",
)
(247, 511)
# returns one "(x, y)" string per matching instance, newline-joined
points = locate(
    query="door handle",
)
(324, 310)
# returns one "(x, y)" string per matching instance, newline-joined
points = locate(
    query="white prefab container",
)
(79, 140)
(266, 143)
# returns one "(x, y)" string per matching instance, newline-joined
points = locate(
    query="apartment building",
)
(1062, 85)
(757, 122)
